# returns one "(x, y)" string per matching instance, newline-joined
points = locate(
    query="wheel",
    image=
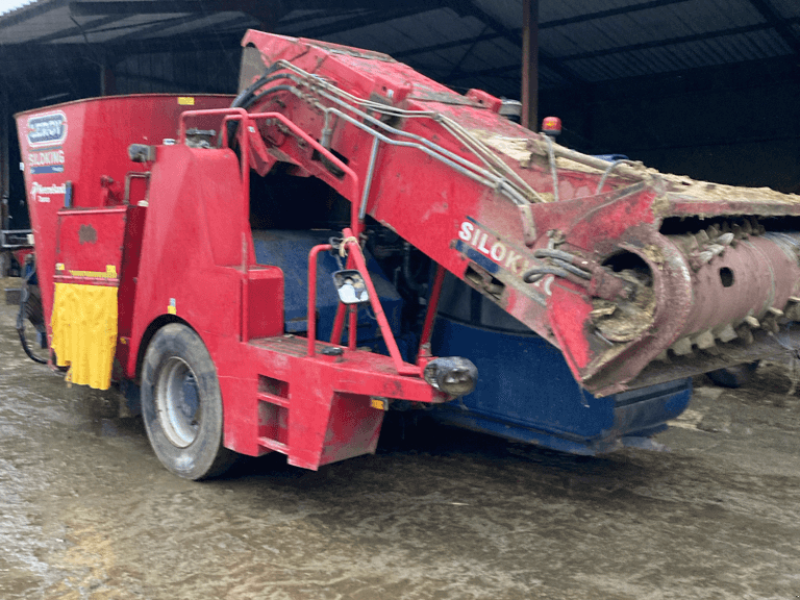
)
(182, 404)
(733, 377)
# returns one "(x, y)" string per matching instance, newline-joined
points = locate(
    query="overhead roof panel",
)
(20, 30)
(700, 16)
(8, 6)
(421, 30)
(598, 40)
(508, 12)
(218, 22)
(691, 18)
(678, 57)
(787, 8)
(298, 21)
(141, 27)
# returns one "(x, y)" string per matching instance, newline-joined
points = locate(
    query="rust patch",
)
(87, 234)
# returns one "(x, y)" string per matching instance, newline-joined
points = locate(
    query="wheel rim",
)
(178, 402)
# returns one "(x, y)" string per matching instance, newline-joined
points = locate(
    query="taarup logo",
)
(49, 129)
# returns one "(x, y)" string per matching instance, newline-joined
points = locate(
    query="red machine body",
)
(179, 250)
(654, 262)
(636, 276)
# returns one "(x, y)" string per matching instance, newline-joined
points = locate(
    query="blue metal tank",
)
(288, 249)
(526, 391)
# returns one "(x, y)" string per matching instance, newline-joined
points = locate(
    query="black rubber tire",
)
(33, 326)
(33, 307)
(733, 377)
(204, 456)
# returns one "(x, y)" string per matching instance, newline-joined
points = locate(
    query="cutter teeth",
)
(770, 320)
(752, 322)
(682, 347)
(704, 340)
(726, 333)
(792, 309)
(726, 239)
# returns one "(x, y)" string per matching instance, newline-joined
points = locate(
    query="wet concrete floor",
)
(87, 512)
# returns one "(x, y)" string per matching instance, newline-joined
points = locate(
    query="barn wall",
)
(197, 71)
(739, 127)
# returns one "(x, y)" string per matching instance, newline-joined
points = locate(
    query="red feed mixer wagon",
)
(198, 249)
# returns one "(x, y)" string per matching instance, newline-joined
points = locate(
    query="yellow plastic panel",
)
(85, 332)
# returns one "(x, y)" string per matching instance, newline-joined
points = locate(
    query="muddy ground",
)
(86, 511)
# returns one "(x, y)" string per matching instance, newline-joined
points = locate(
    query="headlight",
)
(453, 375)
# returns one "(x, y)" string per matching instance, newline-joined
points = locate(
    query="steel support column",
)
(530, 63)
(5, 126)
(5, 166)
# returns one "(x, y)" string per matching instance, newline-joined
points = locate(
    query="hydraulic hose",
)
(247, 97)
(23, 300)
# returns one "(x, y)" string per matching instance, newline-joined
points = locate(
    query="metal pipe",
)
(338, 325)
(136, 175)
(553, 169)
(530, 64)
(338, 321)
(5, 167)
(352, 334)
(388, 337)
(355, 221)
(501, 183)
(608, 170)
(312, 296)
(368, 182)
(430, 315)
(430, 148)
(484, 178)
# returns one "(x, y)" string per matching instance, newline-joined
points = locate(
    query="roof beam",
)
(484, 72)
(186, 42)
(515, 37)
(546, 25)
(31, 10)
(286, 22)
(695, 37)
(483, 37)
(94, 8)
(131, 8)
(780, 25)
(467, 52)
(611, 12)
(267, 12)
(374, 17)
(140, 32)
(79, 29)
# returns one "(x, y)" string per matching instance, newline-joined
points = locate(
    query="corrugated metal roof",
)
(697, 17)
(462, 42)
(7, 6)
(410, 32)
(679, 57)
(787, 8)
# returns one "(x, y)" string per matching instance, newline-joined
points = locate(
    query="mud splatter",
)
(88, 513)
